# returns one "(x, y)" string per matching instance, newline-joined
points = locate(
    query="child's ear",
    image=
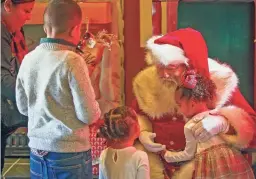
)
(72, 32)
(75, 30)
(46, 30)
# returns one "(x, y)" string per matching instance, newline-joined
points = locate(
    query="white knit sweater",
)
(54, 90)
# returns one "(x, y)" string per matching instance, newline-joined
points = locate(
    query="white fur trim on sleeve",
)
(225, 80)
(241, 122)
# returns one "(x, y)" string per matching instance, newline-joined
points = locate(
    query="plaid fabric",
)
(223, 162)
(19, 48)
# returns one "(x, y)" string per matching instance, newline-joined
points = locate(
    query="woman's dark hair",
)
(117, 123)
(204, 91)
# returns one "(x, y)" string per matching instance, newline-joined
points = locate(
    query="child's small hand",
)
(168, 156)
(161, 153)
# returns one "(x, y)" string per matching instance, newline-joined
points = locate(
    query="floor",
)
(17, 168)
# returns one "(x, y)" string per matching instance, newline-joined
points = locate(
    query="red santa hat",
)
(183, 46)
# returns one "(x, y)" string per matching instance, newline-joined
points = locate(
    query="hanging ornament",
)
(90, 41)
(88, 38)
(106, 39)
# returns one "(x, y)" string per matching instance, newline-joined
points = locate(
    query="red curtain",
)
(172, 8)
(172, 14)
(156, 17)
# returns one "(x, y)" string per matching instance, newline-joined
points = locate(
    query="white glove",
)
(147, 139)
(209, 126)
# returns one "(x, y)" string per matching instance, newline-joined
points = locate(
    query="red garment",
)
(18, 45)
(170, 132)
(157, 18)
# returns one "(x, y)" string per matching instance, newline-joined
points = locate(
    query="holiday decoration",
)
(96, 51)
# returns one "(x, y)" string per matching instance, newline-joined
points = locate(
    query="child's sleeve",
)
(86, 107)
(186, 154)
(143, 167)
(101, 168)
(101, 172)
(21, 96)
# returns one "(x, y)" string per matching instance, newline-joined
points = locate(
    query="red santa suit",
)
(156, 106)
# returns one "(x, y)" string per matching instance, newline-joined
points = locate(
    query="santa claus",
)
(170, 57)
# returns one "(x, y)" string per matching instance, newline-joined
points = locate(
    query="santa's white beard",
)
(166, 97)
(155, 96)
(169, 83)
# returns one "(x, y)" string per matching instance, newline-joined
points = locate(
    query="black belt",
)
(178, 164)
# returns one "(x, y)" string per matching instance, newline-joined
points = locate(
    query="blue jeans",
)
(61, 166)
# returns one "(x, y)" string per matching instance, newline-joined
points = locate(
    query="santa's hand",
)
(147, 139)
(209, 126)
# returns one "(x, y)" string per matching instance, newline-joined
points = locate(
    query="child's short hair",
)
(61, 15)
(117, 123)
(204, 91)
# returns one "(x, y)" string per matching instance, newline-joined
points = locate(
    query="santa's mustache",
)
(169, 82)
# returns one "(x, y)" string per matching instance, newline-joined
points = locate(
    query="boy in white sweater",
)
(54, 90)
